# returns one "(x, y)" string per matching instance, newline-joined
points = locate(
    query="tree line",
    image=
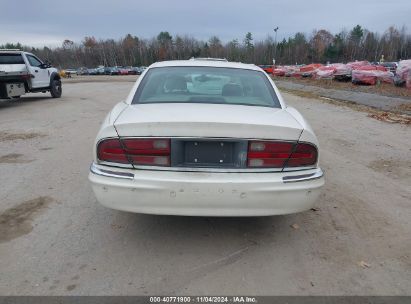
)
(320, 46)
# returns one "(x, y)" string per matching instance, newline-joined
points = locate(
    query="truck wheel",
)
(55, 88)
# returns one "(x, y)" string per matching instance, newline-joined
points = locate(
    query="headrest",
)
(232, 89)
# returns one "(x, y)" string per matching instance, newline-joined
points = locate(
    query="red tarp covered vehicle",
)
(342, 71)
(403, 73)
(279, 71)
(325, 72)
(370, 74)
(309, 70)
(292, 71)
(356, 64)
(310, 67)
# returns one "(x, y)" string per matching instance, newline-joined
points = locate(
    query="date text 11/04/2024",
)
(203, 299)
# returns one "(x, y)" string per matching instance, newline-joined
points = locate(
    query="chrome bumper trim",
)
(303, 177)
(94, 169)
(125, 175)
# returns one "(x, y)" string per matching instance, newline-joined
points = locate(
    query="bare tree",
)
(322, 46)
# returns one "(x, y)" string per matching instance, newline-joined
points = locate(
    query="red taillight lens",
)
(303, 155)
(110, 150)
(151, 152)
(157, 146)
(271, 154)
(268, 154)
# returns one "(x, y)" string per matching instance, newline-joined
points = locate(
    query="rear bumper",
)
(12, 88)
(206, 194)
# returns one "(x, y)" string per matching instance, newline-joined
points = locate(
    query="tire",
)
(55, 88)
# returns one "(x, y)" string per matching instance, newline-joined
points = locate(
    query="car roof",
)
(205, 63)
(11, 51)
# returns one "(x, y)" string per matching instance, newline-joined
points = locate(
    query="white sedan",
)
(206, 138)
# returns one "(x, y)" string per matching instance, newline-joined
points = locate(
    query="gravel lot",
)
(55, 239)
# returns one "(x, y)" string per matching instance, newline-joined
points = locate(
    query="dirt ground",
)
(55, 239)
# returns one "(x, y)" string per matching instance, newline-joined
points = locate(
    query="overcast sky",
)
(45, 22)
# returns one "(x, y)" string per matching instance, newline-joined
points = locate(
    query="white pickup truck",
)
(22, 72)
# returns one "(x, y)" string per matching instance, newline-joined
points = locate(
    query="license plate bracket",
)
(208, 153)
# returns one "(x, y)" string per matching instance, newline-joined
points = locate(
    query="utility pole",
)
(275, 42)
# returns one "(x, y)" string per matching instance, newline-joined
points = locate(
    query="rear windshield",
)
(206, 85)
(11, 59)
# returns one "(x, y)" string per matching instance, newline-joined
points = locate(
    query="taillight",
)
(272, 154)
(110, 150)
(154, 152)
(303, 155)
(268, 154)
(151, 152)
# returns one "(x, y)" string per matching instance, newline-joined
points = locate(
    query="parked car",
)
(100, 71)
(70, 72)
(324, 72)
(342, 72)
(310, 69)
(371, 75)
(122, 71)
(137, 70)
(111, 71)
(403, 73)
(206, 138)
(267, 68)
(91, 71)
(279, 71)
(23, 72)
(131, 71)
(82, 71)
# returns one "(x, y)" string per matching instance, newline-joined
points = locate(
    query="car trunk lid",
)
(207, 121)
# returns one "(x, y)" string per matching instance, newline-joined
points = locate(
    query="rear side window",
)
(11, 59)
(206, 85)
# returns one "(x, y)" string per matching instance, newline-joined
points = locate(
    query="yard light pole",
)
(275, 42)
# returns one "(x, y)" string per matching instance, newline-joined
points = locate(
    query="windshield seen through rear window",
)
(206, 85)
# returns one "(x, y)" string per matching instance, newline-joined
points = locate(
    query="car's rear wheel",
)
(55, 88)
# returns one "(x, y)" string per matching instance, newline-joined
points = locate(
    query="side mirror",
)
(45, 65)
